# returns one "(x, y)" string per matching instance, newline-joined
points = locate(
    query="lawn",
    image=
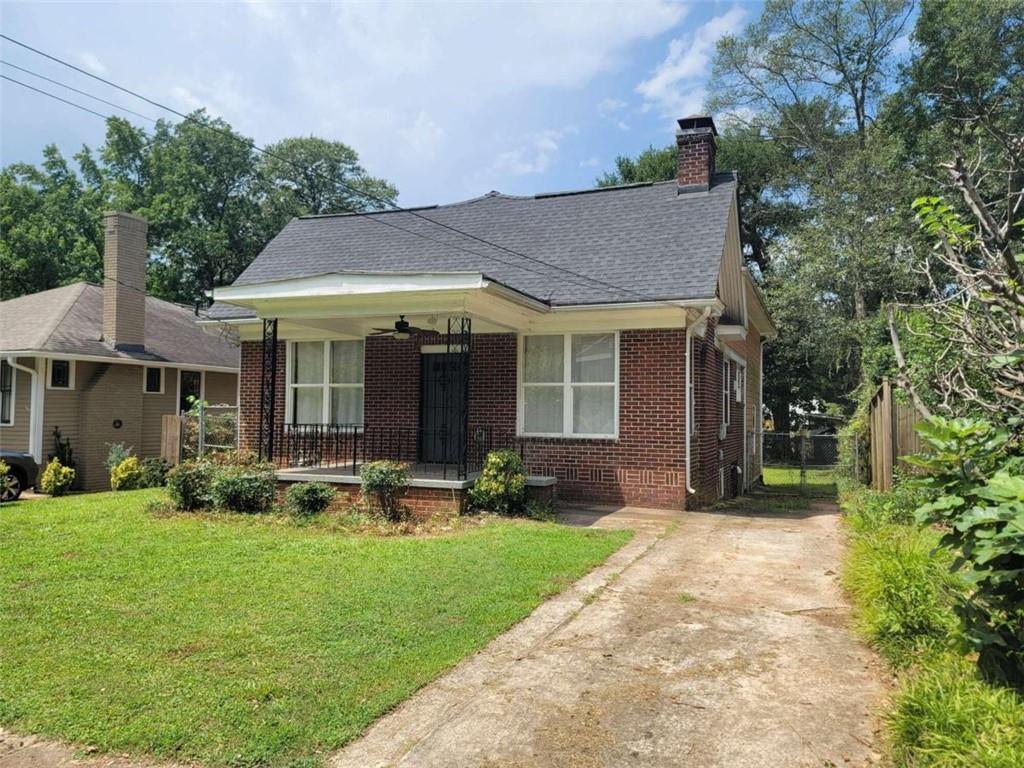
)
(820, 482)
(247, 642)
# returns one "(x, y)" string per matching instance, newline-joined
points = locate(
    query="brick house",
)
(104, 363)
(612, 336)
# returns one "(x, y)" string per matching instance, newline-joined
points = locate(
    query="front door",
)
(191, 386)
(442, 430)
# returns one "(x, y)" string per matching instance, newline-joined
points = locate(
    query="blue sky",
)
(447, 101)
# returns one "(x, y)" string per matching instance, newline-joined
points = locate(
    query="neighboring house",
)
(104, 364)
(612, 336)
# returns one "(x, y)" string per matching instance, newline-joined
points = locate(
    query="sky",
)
(447, 101)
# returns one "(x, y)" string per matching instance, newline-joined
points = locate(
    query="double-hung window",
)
(6, 394)
(569, 385)
(727, 394)
(326, 382)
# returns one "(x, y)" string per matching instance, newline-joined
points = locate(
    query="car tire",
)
(15, 487)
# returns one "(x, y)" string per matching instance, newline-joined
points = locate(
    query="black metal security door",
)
(442, 430)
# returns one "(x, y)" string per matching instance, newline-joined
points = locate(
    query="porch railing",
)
(345, 446)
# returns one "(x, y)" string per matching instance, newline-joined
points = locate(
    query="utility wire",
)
(76, 90)
(53, 96)
(367, 195)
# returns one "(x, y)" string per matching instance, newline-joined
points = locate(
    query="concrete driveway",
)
(711, 639)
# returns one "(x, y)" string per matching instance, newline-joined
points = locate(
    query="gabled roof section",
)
(641, 242)
(69, 321)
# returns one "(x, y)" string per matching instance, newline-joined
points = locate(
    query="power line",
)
(53, 96)
(76, 90)
(377, 199)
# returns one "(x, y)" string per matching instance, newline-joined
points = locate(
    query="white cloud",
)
(676, 85)
(424, 137)
(92, 62)
(222, 96)
(535, 155)
(590, 162)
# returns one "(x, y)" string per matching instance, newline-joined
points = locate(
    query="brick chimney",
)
(695, 139)
(124, 280)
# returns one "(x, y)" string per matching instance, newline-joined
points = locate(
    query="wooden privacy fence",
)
(170, 438)
(892, 435)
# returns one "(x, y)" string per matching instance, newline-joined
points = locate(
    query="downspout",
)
(689, 393)
(35, 442)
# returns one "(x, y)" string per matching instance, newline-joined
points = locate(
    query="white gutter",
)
(35, 432)
(689, 392)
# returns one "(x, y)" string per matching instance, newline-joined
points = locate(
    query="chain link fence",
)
(209, 429)
(805, 453)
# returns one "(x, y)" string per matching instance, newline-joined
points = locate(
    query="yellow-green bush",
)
(127, 475)
(56, 479)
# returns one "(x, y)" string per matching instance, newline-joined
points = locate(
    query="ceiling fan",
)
(401, 331)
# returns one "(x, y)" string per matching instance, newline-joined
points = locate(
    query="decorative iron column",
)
(459, 344)
(268, 389)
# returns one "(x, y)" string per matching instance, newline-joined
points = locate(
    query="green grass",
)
(241, 641)
(820, 482)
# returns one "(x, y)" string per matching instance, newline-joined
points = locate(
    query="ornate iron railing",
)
(346, 446)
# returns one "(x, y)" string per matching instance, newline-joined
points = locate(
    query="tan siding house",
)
(104, 364)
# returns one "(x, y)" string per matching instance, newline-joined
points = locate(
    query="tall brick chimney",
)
(124, 280)
(695, 139)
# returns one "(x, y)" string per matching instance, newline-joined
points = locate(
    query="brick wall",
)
(644, 466)
(696, 159)
(250, 370)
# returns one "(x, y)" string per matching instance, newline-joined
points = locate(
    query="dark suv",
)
(22, 473)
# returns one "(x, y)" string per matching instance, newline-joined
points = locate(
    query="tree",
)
(211, 201)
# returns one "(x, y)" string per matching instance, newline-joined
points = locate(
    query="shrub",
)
(384, 484)
(904, 592)
(944, 716)
(501, 486)
(308, 499)
(976, 477)
(154, 472)
(126, 476)
(160, 507)
(5, 480)
(117, 453)
(248, 488)
(540, 510)
(870, 510)
(188, 484)
(234, 458)
(56, 479)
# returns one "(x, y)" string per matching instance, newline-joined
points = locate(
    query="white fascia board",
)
(120, 360)
(714, 303)
(349, 284)
(730, 353)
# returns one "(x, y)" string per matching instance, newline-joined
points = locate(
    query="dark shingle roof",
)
(632, 243)
(69, 320)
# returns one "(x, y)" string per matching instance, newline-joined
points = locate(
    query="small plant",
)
(5, 479)
(116, 453)
(248, 488)
(188, 484)
(501, 486)
(154, 472)
(308, 499)
(56, 479)
(234, 458)
(62, 449)
(127, 476)
(384, 484)
(540, 510)
(160, 507)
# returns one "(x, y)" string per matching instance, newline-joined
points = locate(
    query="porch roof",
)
(358, 300)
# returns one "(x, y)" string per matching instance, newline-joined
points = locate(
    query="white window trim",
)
(567, 388)
(202, 385)
(71, 376)
(163, 376)
(725, 391)
(14, 395)
(290, 387)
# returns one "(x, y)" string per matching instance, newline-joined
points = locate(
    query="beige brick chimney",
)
(124, 280)
(695, 139)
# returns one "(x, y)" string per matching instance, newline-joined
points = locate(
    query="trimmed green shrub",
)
(945, 716)
(384, 484)
(154, 472)
(903, 589)
(501, 486)
(308, 499)
(117, 453)
(126, 476)
(246, 488)
(56, 479)
(188, 484)
(234, 458)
